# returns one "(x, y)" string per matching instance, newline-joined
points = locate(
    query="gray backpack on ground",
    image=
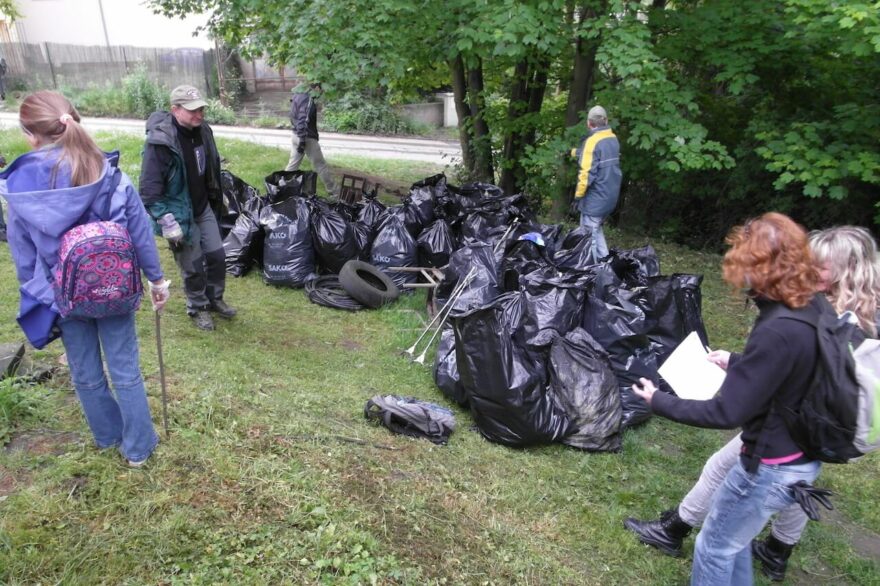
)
(411, 417)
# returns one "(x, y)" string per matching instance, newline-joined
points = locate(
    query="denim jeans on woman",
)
(787, 526)
(743, 504)
(121, 419)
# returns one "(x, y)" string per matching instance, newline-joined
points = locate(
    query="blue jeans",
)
(124, 419)
(743, 504)
(594, 223)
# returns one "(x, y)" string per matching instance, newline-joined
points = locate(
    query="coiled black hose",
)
(327, 291)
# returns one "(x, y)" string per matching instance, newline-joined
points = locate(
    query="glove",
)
(301, 147)
(160, 294)
(171, 230)
(805, 494)
(573, 208)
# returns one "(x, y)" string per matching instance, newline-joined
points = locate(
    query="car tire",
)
(367, 284)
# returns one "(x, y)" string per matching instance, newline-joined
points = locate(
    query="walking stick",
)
(162, 375)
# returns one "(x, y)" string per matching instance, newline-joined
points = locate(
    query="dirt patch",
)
(351, 345)
(41, 442)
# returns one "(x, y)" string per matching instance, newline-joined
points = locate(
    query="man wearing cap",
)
(180, 187)
(304, 118)
(599, 177)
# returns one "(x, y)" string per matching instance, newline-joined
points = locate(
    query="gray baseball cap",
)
(597, 113)
(188, 97)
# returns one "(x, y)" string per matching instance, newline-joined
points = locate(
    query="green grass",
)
(271, 475)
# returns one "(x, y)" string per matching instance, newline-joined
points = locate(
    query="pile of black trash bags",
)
(543, 341)
(293, 235)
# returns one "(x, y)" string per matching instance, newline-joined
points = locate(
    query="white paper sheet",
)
(689, 373)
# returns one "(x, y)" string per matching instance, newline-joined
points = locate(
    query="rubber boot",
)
(773, 555)
(667, 534)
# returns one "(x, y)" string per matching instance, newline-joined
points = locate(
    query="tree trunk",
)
(481, 140)
(580, 94)
(527, 97)
(513, 141)
(459, 90)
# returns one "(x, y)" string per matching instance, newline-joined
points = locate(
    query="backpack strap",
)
(114, 183)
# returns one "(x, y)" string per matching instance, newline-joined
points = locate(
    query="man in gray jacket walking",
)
(599, 177)
(304, 118)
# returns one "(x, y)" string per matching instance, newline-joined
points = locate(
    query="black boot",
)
(667, 534)
(773, 555)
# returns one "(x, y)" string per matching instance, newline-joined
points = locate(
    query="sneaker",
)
(223, 309)
(203, 320)
(137, 463)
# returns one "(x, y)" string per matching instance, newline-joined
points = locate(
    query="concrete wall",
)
(430, 113)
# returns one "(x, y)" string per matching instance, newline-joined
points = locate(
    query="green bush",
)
(98, 101)
(217, 113)
(360, 115)
(143, 96)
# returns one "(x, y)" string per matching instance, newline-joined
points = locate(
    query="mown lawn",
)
(270, 474)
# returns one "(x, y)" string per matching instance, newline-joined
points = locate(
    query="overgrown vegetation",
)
(357, 114)
(271, 475)
(724, 109)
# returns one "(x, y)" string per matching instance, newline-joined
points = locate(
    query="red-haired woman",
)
(770, 258)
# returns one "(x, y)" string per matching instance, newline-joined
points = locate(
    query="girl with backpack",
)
(770, 259)
(66, 181)
(849, 276)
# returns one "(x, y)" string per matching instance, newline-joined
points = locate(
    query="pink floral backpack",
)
(97, 274)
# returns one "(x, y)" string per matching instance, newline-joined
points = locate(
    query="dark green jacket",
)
(163, 185)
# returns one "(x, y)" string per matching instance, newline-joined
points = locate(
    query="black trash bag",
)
(555, 303)
(504, 380)
(371, 212)
(552, 234)
(635, 267)
(446, 375)
(332, 237)
(507, 208)
(480, 226)
(620, 326)
(422, 199)
(585, 386)
(674, 305)
(243, 246)
(411, 417)
(477, 263)
(288, 255)
(435, 244)
(363, 235)
(408, 215)
(349, 211)
(522, 257)
(469, 196)
(235, 193)
(394, 247)
(576, 250)
(283, 184)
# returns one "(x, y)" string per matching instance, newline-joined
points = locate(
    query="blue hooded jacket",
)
(39, 215)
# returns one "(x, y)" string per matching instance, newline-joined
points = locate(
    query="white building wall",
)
(128, 22)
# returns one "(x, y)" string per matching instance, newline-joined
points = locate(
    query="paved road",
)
(378, 147)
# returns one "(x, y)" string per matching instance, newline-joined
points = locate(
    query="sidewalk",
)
(378, 147)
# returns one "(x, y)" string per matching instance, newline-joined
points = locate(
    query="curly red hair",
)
(770, 255)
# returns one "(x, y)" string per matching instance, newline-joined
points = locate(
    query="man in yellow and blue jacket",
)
(599, 177)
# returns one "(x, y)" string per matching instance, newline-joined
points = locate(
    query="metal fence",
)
(56, 65)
